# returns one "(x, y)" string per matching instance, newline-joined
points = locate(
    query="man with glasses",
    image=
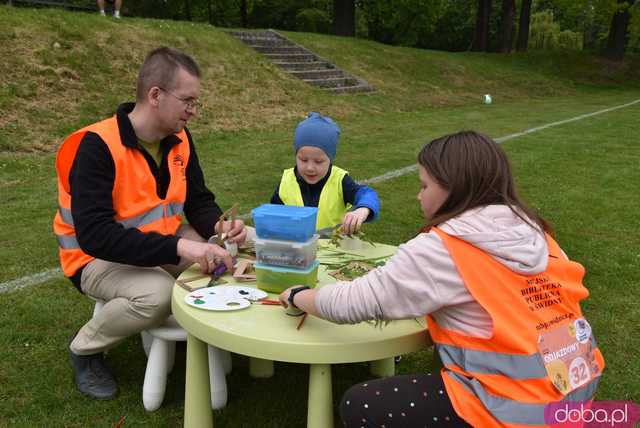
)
(124, 185)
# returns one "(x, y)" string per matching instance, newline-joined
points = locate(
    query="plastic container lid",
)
(281, 269)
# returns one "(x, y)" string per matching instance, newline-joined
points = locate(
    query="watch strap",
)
(295, 291)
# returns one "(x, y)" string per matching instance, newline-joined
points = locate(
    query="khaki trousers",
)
(136, 298)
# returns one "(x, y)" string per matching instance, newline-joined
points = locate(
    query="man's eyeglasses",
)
(189, 103)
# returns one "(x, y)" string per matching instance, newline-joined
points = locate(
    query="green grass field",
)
(582, 176)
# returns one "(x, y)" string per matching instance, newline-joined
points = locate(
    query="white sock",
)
(116, 14)
(102, 12)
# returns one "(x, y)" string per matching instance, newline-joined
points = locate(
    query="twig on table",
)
(304, 317)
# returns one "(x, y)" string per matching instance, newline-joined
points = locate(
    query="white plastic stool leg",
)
(217, 379)
(147, 340)
(155, 377)
(226, 361)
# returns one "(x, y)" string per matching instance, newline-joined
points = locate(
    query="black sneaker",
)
(93, 378)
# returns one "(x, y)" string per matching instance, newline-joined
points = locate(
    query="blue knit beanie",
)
(317, 131)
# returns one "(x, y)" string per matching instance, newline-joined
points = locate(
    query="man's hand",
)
(237, 234)
(208, 256)
(353, 220)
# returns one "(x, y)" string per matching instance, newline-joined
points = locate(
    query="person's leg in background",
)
(400, 401)
(116, 8)
(101, 7)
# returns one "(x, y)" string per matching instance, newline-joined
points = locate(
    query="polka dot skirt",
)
(406, 401)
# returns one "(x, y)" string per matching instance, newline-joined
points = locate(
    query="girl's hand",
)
(353, 220)
(284, 296)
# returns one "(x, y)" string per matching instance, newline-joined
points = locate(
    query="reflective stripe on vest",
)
(68, 242)
(514, 366)
(154, 214)
(515, 412)
(331, 206)
(511, 365)
(508, 363)
(135, 201)
(66, 215)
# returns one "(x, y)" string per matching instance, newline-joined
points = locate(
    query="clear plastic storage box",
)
(291, 254)
(285, 222)
(276, 279)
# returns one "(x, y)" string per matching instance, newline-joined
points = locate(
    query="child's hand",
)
(353, 220)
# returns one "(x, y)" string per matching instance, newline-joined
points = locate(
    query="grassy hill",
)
(62, 70)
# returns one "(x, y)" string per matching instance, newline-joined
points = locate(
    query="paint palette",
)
(224, 297)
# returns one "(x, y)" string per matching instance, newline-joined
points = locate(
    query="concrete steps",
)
(293, 57)
(326, 73)
(299, 66)
(301, 62)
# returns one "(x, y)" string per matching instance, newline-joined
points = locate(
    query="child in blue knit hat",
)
(316, 182)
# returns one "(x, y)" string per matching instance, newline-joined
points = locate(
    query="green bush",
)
(634, 29)
(545, 34)
(313, 20)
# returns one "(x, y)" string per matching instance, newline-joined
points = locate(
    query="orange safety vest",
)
(502, 381)
(135, 201)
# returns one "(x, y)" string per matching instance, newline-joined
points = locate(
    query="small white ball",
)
(56, 45)
(487, 99)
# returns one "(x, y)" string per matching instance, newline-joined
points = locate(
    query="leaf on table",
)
(351, 270)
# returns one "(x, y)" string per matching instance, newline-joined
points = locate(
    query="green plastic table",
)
(266, 334)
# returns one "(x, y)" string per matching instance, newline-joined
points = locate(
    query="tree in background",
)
(453, 28)
(312, 20)
(591, 18)
(523, 27)
(634, 30)
(608, 26)
(506, 26)
(481, 35)
(244, 18)
(401, 22)
(546, 34)
(344, 18)
(619, 31)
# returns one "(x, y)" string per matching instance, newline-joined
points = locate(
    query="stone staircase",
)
(301, 62)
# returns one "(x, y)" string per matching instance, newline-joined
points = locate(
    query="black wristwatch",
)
(295, 291)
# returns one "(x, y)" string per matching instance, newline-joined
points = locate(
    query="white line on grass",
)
(30, 280)
(407, 169)
(46, 275)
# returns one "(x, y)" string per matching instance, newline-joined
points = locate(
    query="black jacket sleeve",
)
(200, 207)
(275, 198)
(98, 233)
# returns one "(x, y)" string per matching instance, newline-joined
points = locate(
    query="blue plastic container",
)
(285, 222)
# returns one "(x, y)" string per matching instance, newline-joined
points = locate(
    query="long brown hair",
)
(476, 172)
